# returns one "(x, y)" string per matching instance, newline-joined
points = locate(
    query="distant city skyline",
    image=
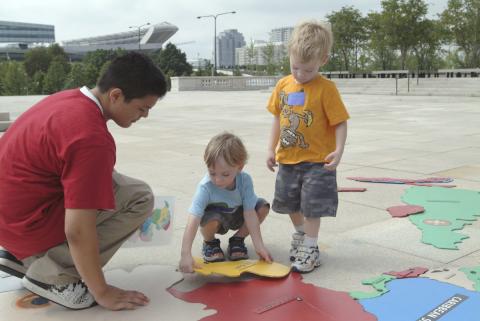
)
(74, 19)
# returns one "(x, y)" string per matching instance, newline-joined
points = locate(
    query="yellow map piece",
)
(236, 268)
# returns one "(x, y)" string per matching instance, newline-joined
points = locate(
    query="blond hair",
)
(227, 146)
(311, 40)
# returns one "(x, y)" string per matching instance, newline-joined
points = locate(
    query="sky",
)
(253, 18)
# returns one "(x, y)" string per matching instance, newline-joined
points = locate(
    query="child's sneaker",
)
(73, 295)
(212, 252)
(9, 264)
(307, 259)
(297, 239)
(237, 249)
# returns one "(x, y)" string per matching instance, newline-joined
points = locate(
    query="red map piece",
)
(351, 189)
(389, 180)
(410, 273)
(405, 210)
(284, 299)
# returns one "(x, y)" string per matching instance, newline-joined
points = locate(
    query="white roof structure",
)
(150, 38)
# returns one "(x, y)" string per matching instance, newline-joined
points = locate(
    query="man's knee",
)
(143, 200)
(133, 195)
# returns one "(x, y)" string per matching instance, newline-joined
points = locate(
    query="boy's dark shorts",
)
(228, 220)
(306, 187)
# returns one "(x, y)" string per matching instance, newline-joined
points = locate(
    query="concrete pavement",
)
(388, 136)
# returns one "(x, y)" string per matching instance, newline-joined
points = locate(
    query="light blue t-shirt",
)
(208, 194)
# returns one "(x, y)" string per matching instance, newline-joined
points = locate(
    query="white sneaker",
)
(307, 259)
(73, 295)
(297, 239)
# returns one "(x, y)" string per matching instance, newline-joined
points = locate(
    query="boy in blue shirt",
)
(224, 200)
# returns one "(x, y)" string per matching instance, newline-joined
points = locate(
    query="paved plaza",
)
(388, 136)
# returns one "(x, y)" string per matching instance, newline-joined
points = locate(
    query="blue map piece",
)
(296, 99)
(423, 299)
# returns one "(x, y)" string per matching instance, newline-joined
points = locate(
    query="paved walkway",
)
(402, 137)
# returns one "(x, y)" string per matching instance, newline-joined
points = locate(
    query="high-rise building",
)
(227, 42)
(258, 52)
(17, 37)
(281, 34)
(22, 33)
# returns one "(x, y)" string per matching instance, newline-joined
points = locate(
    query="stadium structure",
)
(17, 37)
(150, 38)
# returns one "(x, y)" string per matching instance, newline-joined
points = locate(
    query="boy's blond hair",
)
(227, 146)
(311, 40)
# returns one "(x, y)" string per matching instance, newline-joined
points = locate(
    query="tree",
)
(251, 56)
(285, 65)
(56, 76)
(14, 79)
(268, 55)
(349, 34)
(40, 58)
(81, 75)
(172, 61)
(36, 83)
(427, 51)
(383, 55)
(403, 25)
(37, 59)
(95, 60)
(462, 25)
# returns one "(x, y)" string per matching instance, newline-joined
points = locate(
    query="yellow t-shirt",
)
(308, 115)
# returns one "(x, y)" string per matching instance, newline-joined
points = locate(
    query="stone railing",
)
(223, 83)
(5, 121)
(467, 86)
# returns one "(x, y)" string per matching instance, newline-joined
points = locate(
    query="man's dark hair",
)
(136, 75)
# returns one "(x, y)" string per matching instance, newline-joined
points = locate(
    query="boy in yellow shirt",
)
(307, 139)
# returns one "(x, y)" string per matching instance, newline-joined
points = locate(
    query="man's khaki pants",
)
(134, 203)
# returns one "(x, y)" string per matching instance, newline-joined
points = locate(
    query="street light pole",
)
(138, 29)
(214, 16)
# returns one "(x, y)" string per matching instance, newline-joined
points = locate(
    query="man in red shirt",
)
(64, 211)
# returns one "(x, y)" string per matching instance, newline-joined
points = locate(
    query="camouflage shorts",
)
(229, 220)
(306, 187)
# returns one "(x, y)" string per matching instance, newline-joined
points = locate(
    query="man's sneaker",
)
(73, 295)
(9, 264)
(307, 259)
(297, 239)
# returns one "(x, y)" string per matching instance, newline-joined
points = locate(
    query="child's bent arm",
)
(253, 226)
(272, 145)
(186, 260)
(333, 159)
(341, 136)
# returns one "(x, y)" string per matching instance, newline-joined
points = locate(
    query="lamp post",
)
(138, 29)
(214, 16)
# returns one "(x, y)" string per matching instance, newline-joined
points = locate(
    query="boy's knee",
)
(263, 211)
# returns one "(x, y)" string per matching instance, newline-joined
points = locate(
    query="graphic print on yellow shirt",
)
(308, 116)
(289, 135)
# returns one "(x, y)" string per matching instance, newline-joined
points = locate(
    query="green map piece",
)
(446, 211)
(473, 274)
(378, 283)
